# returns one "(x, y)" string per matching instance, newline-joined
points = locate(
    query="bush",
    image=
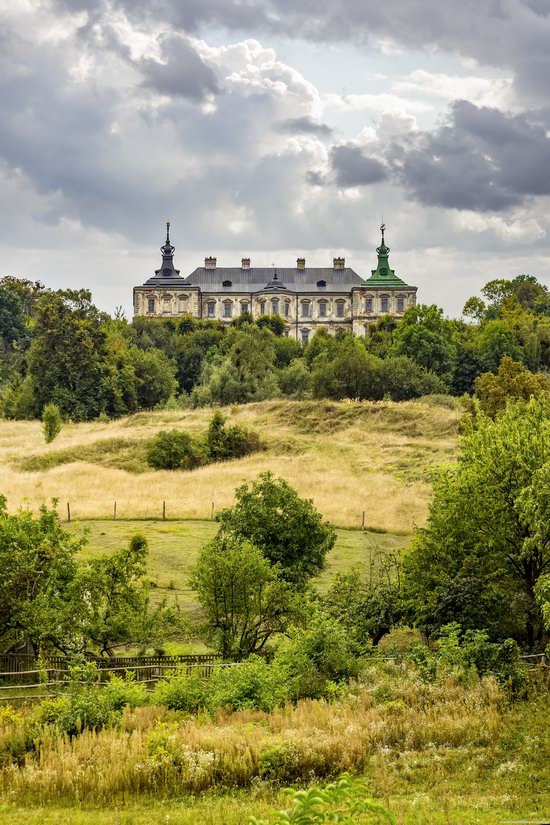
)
(174, 450)
(295, 379)
(181, 691)
(223, 442)
(51, 422)
(253, 684)
(314, 661)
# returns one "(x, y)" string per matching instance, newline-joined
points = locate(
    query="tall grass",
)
(156, 752)
(349, 457)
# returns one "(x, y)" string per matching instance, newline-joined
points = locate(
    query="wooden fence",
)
(23, 672)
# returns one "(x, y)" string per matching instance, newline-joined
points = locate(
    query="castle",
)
(305, 297)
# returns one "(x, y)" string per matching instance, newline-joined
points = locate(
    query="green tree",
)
(513, 382)
(155, 374)
(51, 422)
(226, 442)
(402, 378)
(287, 529)
(243, 599)
(487, 541)
(351, 373)
(428, 338)
(295, 380)
(496, 339)
(174, 450)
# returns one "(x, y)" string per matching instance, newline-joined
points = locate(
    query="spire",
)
(383, 275)
(383, 250)
(167, 250)
(275, 283)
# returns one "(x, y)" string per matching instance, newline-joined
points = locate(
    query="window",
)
(321, 284)
(384, 303)
(275, 306)
(383, 271)
(262, 307)
(305, 310)
(340, 309)
(286, 309)
(227, 309)
(305, 336)
(400, 304)
(211, 308)
(167, 306)
(227, 283)
(322, 309)
(244, 307)
(183, 304)
(150, 304)
(368, 304)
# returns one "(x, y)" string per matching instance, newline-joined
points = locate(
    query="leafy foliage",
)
(512, 382)
(174, 450)
(51, 422)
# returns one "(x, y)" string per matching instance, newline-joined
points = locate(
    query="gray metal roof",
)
(257, 279)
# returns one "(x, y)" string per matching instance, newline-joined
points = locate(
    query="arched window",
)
(262, 307)
(305, 336)
(286, 309)
(227, 283)
(275, 306)
(322, 309)
(150, 304)
(321, 284)
(211, 309)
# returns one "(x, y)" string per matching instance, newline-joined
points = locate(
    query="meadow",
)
(349, 457)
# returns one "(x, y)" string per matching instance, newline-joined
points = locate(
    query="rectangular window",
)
(150, 305)
(262, 307)
(275, 306)
(211, 309)
(227, 310)
(400, 304)
(322, 310)
(340, 309)
(286, 309)
(305, 310)
(244, 308)
(368, 304)
(384, 304)
(305, 336)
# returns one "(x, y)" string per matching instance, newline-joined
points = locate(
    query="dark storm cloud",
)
(182, 73)
(353, 168)
(303, 125)
(482, 159)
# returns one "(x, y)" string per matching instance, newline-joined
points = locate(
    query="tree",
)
(487, 538)
(155, 375)
(174, 450)
(428, 338)
(512, 382)
(351, 373)
(295, 380)
(51, 422)
(402, 378)
(287, 529)
(243, 599)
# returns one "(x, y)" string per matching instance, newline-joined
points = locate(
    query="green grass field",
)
(174, 546)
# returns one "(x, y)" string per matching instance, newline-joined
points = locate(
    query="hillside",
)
(348, 457)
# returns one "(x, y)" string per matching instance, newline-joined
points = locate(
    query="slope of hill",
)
(348, 457)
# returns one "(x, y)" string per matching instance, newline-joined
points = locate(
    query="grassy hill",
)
(348, 457)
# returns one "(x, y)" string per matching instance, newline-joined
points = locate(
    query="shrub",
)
(314, 660)
(120, 692)
(51, 422)
(180, 691)
(253, 684)
(223, 442)
(174, 450)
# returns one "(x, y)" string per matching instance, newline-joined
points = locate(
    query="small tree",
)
(51, 422)
(287, 529)
(243, 600)
(513, 382)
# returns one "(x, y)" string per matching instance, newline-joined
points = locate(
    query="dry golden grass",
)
(347, 457)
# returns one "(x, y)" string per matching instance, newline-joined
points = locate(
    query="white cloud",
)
(480, 90)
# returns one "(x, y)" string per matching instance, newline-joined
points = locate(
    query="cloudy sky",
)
(275, 129)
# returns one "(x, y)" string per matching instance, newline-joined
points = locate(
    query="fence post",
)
(68, 512)
(164, 511)
(212, 513)
(363, 521)
(114, 512)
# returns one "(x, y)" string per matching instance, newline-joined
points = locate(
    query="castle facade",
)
(305, 297)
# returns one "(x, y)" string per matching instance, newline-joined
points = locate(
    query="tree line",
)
(58, 348)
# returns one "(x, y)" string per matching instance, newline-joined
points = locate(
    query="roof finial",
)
(168, 231)
(382, 230)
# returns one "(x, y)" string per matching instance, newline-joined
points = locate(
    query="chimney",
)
(210, 263)
(245, 263)
(300, 263)
(339, 263)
